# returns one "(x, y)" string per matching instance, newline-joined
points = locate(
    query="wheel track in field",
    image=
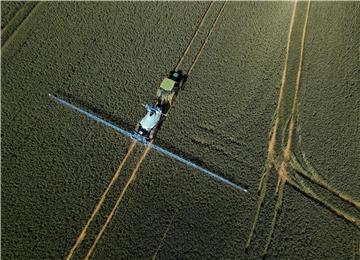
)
(164, 236)
(16, 22)
(269, 163)
(101, 201)
(119, 200)
(179, 63)
(288, 167)
(147, 149)
(139, 162)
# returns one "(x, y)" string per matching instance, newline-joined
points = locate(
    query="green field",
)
(110, 57)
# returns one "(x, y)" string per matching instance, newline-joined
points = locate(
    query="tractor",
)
(156, 114)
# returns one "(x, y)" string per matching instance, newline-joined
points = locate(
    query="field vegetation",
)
(271, 103)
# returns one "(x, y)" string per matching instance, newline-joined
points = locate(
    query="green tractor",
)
(168, 90)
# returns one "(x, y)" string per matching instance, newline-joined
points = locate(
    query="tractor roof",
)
(167, 84)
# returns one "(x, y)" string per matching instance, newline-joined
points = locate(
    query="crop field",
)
(271, 103)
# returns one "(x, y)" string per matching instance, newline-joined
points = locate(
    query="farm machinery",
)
(148, 126)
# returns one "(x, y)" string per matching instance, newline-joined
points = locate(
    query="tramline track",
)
(282, 146)
(147, 149)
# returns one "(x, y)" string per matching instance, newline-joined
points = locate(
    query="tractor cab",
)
(148, 125)
(151, 119)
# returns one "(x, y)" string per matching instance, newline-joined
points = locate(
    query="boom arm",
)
(155, 147)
